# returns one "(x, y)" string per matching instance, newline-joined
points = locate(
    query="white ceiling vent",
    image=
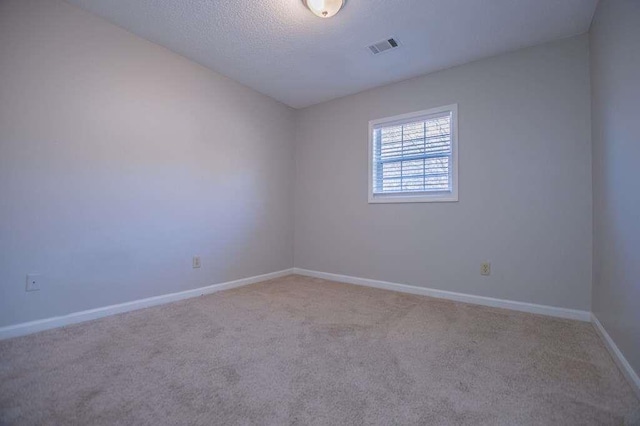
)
(383, 46)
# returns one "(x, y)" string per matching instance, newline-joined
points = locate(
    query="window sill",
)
(418, 198)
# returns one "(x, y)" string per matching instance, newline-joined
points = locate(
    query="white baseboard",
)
(458, 297)
(617, 356)
(76, 317)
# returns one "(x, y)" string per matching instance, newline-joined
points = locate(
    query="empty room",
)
(319, 212)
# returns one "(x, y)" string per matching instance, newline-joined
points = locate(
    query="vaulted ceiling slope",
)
(280, 49)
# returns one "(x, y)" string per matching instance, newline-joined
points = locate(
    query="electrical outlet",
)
(196, 261)
(485, 268)
(33, 282)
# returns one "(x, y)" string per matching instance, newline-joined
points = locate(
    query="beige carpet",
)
(303, 351)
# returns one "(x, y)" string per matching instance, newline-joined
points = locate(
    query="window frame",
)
(417, 197)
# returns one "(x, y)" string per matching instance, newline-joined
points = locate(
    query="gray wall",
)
(615, 109)
(525, 183)
(120, 160)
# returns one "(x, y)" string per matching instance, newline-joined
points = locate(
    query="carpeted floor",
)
(303, 351)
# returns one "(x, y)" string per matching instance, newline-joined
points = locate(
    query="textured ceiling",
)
(282, 50)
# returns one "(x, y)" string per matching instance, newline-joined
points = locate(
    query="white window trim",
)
(421, 197)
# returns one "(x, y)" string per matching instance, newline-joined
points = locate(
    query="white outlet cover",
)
(33, 282)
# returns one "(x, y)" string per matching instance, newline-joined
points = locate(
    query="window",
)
(414, 157)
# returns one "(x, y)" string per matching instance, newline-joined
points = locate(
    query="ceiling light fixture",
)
(324, 8)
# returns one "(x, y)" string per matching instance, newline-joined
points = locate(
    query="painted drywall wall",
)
(120, 160)
(615, 109)
(524, 183)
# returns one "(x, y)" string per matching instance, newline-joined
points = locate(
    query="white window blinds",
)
(414, 155)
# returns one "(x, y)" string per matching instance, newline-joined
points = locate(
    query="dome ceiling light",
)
(324, 8)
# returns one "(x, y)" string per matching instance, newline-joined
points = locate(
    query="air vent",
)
(383, 46)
